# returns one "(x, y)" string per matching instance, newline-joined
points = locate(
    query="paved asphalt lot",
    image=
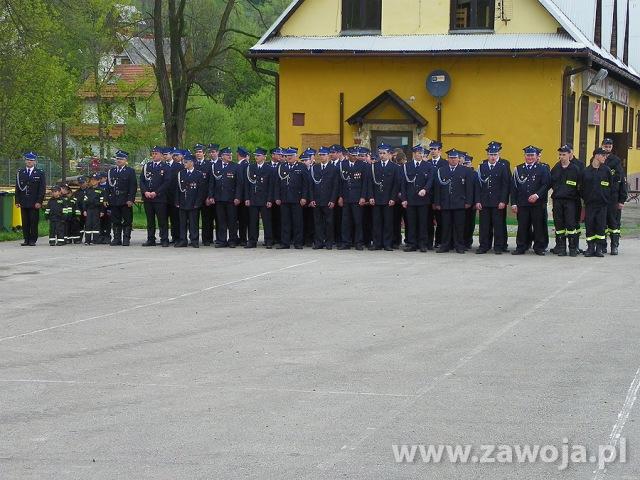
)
(139, 363)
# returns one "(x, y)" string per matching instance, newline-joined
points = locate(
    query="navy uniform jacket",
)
(292, 183)
(493, 184)
(174, 168)
(413, 179)
(441, 162)
(203, 166)
(352, 181)
(190, 189)
(597, 185)
(565, 182)
(619, 186)
(155, 178)
(122, 186)
(55, 210)
(30, 189)
(225, 182)
(383, 184)
(453, 190)
(259, 184)
(242, 171)
(324, 184)
(527, 181)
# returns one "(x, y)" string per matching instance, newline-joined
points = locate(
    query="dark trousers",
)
(292, 224)
(323, 231)
(92, 225)
(416, 232)
(337, 223)
(399, 216)
(352, 224)
(189, 221)
(105, 228)
(564, 216)
(208, 214)
(453, 228)
(367, 224)
(492, 228)
(243, 223)
(75, 228)
(157, 210)
(56, 232)
(226, 223)
(532, 226)
(382, 226)
(30, 219)
(121, 220)
(276, 223)
(613, 219)
(173, 218)
(255, 214)
(596, 222)
(470, 218)
(434, 226)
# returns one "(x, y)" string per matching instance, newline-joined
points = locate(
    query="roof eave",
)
(275, 54)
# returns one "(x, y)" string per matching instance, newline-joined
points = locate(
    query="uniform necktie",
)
(490, 167)
(384, 164)
(322, 167)
(351, 164)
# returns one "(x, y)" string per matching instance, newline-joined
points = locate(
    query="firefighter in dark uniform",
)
(242, 211)
(353, 184)
(71, 212)
(494, 144)
(618, 196)
(77, 225)
(529, 188)
(416, 191)
(363, 154)
(434, 217)
(92, 209)
(259, 184)
(292, 194)
(225, 191)
(173, 215)
(207, 212)
(596, 191)
(565, 183)
(276, 224)
(190, 192)
(324, 198)
(104, 238)
(336, 157)
(122, 188)
(155, 180)
(383, 188)
(470, 214)
(29, 190)
(55, 213)
(453, 194)
(494, 185)
(581, 166)
(308, 158)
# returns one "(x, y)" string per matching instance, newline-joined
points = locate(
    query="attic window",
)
(361, 16)
(472, 14)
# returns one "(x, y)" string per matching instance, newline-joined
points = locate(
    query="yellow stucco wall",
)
(407, 17)
(516, 101)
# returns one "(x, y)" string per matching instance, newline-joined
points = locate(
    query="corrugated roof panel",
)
(581, 13)
(634, 34)
(422, 43)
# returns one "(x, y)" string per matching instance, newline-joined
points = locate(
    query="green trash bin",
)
(6, 211)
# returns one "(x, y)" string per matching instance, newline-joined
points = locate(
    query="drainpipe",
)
(276, 75)
(566, 84)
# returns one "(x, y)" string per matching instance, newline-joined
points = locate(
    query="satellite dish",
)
(438, 83)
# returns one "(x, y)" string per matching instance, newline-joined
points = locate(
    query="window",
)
(362, 16)
(472, 14)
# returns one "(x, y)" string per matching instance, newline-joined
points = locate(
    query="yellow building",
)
(540, 72)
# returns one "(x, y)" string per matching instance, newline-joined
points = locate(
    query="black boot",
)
(117, 236)
(556, 249)
(615, 243)
(126, 236)
(599, 246)
(590, 252)
(573, 245)
(561, 245)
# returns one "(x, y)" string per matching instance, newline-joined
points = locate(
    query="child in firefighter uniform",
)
(55, 213)
(93, 210)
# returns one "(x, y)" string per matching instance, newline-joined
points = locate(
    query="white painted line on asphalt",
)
(392, 414)
(623, 416)
(206, 384)
(158, 302)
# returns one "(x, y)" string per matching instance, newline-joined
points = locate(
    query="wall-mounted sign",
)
(608, 88)
(595, 111)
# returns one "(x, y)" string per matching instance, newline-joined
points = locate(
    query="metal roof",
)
(422, 43)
